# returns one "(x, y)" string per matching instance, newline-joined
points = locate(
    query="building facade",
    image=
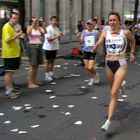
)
(6, 6)
(70, 11)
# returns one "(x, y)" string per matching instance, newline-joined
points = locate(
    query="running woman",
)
(115, 61)
(89, 37)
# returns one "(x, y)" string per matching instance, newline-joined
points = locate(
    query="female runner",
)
(115, 60)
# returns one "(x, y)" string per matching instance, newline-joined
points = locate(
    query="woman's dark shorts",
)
(89, 55)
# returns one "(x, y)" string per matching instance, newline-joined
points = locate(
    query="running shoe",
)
(48, 78)
(13, 94)
(91, 82)
(106, 126)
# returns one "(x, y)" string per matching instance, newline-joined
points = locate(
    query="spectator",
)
(35, 51)
(80, 26)
(96, 20)
(51, 45)
(11, 53)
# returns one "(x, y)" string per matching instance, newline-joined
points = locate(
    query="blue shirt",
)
(89, 40)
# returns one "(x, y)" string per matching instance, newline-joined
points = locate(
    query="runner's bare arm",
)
(131, 37)
(99, 42)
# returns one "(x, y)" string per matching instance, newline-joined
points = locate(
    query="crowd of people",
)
(91, 35)
(40, 38)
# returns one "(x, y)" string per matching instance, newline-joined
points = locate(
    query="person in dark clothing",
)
(80, 26)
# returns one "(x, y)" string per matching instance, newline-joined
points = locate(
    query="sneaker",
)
(51, 74)
(106, 126)
(48, 78)
(17, 92)
(97, 78)
(13, 94)
(91, 82)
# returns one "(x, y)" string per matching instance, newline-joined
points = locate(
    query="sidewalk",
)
(65, 49)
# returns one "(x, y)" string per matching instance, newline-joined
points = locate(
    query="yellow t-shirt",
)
(10, 49)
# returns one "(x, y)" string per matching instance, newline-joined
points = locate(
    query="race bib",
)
(115, 46)
(90, 40)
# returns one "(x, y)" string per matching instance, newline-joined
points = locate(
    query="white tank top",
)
(115, 45)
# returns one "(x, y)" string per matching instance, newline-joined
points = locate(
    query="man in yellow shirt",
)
(11, 53)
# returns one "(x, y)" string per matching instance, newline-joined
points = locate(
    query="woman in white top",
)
(116, 64)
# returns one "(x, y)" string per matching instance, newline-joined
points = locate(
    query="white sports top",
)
(115, 45)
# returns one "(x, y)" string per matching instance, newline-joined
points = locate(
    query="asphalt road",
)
(72, 111)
